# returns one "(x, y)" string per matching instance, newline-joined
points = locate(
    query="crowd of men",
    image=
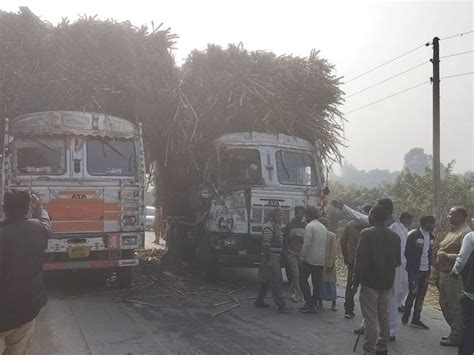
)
(391, 264)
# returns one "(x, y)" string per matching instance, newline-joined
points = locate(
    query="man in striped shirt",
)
(269, 272)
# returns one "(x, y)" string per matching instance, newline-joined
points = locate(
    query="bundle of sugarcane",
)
(87, 65)
(235, 90)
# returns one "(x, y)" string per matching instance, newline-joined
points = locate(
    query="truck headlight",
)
(129, 220)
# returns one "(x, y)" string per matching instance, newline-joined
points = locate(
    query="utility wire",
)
(388, 97)
(405, 90)
(458, 35)
(404, 54)
(455, 75)
(385, 80)
(456, 54)
(384, 64)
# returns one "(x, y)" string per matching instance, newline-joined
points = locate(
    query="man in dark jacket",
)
(418, 254)
(378, 254)
(292, 244)
(464, 267)
(22, 294)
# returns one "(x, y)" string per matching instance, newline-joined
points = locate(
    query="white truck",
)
(248, 175)
(89, 170)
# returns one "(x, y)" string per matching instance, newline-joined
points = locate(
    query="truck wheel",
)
(207, 260)
(124, 277)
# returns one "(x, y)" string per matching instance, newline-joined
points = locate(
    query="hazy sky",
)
(355, 36)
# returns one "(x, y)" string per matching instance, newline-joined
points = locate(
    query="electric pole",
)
(436, 130)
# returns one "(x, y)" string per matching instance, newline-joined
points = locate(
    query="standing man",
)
(312, 259)
(418, 253)
(401, 228)
(349, 241)
(293, 235)
(328, 290)
(22, 242)
(378, 254)
(450, 289)
(269, 272)
(464, 266)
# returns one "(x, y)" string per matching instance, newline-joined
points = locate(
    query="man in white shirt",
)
(401, 228)
(312, 259)
(400, 283)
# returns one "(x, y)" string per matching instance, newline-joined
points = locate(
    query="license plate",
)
(79, 252)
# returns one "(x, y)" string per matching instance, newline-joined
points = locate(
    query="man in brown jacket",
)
(377, 256)
(349, 241)
(450, 289)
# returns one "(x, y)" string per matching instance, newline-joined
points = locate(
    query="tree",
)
(350, 175)
(417, 161)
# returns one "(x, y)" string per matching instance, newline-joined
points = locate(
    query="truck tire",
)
(206, 259)
(124, 277)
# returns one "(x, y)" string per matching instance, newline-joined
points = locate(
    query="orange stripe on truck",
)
(78, 226)
(79, 210)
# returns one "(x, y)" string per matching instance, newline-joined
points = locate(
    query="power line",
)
(384, 64)
(405, 90)
(456, 54)
(388, 97)
(457, 35)
(456, 75)
(385, 80)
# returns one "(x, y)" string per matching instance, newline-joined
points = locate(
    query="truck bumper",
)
(90, 264)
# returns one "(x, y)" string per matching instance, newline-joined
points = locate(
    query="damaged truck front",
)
(248, 175)
(88, 169)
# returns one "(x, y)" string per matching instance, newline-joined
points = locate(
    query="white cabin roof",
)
(258, 138)
(73, 123)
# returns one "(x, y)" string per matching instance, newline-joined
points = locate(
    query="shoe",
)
(304, 307)
(261, 305)
(401, 309)
(284, 309)
(405, 319)
(418, 324)
(309, 310)
(445, 337)
(359, 331)
(384, 352)
(392, 339)
(349, 315)
(449, 342)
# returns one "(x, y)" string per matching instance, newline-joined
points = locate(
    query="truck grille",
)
(260, 215)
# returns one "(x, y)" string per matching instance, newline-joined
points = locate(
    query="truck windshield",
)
(295, 168)
(106, 156)
(40, 155)
(240, 165)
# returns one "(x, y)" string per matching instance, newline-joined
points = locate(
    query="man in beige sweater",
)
(450, 289)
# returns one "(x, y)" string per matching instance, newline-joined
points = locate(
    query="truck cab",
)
(249, 175)
(88, 169)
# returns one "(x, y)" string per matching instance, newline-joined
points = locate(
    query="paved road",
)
(95, 323)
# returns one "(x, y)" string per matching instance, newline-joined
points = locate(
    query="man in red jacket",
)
(22, 293)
